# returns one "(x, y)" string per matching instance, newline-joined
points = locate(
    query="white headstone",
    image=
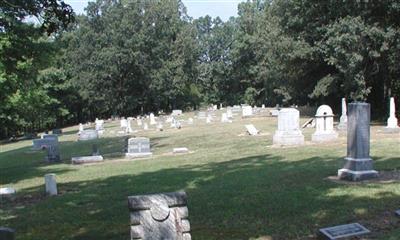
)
(229, 113)
(392, 121)
(288, 132)
(124, 123)
(190, 121)
(139, 121)
(51, 184)
(224, 118)
(176, 112)
(145, 126)
(324, 125)
(160, 126)
(263, 106)
(208, 119)
(129, 125)
(152, 119)
(247, 111)
(180, 150)
(7, 192)
(80, 128)
(343, 118)
(251, 129)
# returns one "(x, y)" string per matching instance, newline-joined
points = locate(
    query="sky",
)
(196, 8)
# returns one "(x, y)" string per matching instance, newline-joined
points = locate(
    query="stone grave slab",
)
(86, 159)
(88, 134)
(251, 129)
(343, 231)
(180, 150)
(159, 216)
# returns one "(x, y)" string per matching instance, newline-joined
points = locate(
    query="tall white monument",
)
(392, 122)
(152, 119)
(324, 125)
(288, 132)
(343, 118)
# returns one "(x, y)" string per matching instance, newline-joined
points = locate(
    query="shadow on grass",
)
(245, 198)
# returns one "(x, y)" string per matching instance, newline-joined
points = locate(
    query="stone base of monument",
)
(357, 170)
(138, 155)
(86, 159)
(288, 138)
(324, 137)
(391, 130)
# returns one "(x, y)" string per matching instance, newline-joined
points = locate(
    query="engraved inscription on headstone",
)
(344, 231)
(159, 216)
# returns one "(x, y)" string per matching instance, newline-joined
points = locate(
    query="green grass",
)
(238, 186)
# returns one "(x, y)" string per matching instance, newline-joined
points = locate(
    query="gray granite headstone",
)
(138, 147)
(88, 134)
(7, 233)
(53, 153)
(57, 131)
(343, 231)
(53, 137)
(159, 216)
(39, 144)
(358, 165)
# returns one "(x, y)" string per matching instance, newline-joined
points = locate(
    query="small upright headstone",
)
(343, 118)
(358, 165)
(229, 113)
(139, 121)
(176, 112)
(99, 126)
(247, 111)
(224, 118)
(208, 119)
(88, 134)
(190, 121)
(7, 233)
(152, 119)
(7, 192)
(138, 147)
(288, 132)
(201, 115)
(324, 125)
(129, 125)
(51, 184)
(160, 126)
(392, 122)
(159, 216)
(80, 128)
(263, 106)
(145, 126)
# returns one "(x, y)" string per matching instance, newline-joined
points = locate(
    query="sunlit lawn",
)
(238, 186)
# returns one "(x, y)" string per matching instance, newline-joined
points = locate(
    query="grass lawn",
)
(238, 186)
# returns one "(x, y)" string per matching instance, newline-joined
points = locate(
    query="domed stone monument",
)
(324, 125)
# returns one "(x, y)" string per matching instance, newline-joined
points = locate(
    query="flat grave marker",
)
(344, 231)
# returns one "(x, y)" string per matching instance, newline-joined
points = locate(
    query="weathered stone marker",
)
(343, 118)
(358, 164)
(247, 111)
(7, 233)
(159, 216)
(324, 125)
(343, 231)
(251, 129)
(7, 192)
(180, 150)
(138, 147)
(288, 132)
(51, 184)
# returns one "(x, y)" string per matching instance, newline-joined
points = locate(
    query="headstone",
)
(208, 119)
(51, 184)
(7, 233)
(138, 147)
(145, 126)
(263, 106)
(123, 123)
(57, 131)
(129, 125)
(159, 216)
(50, 137)
(160, 126)
(215, 107)
(190, 121)
(343, 118)
(87, 159)
(139, 122)
(180, 150)
(343, 231)
(288, 132)
(99, 126)
(324, 125)
(88, 134)
(229, 114)
(397, 212)
(251, 129)
(247, 111)
(202, 115)
(80, 128)
(152, 119)
(7, 192)
(358, 165)
(392, 122)
(39, 144)
(224, 118)
(176, 112)
(53, 153)
(274, 112)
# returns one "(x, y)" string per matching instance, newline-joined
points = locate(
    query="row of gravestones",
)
(165, 216)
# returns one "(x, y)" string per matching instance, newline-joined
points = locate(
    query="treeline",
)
(126, 57)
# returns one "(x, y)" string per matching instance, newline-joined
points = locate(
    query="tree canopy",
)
(128, 57)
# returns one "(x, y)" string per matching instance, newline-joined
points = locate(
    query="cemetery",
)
(235, 185)
(199, 120)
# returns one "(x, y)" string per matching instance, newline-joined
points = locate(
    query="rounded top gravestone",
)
(324, 111)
